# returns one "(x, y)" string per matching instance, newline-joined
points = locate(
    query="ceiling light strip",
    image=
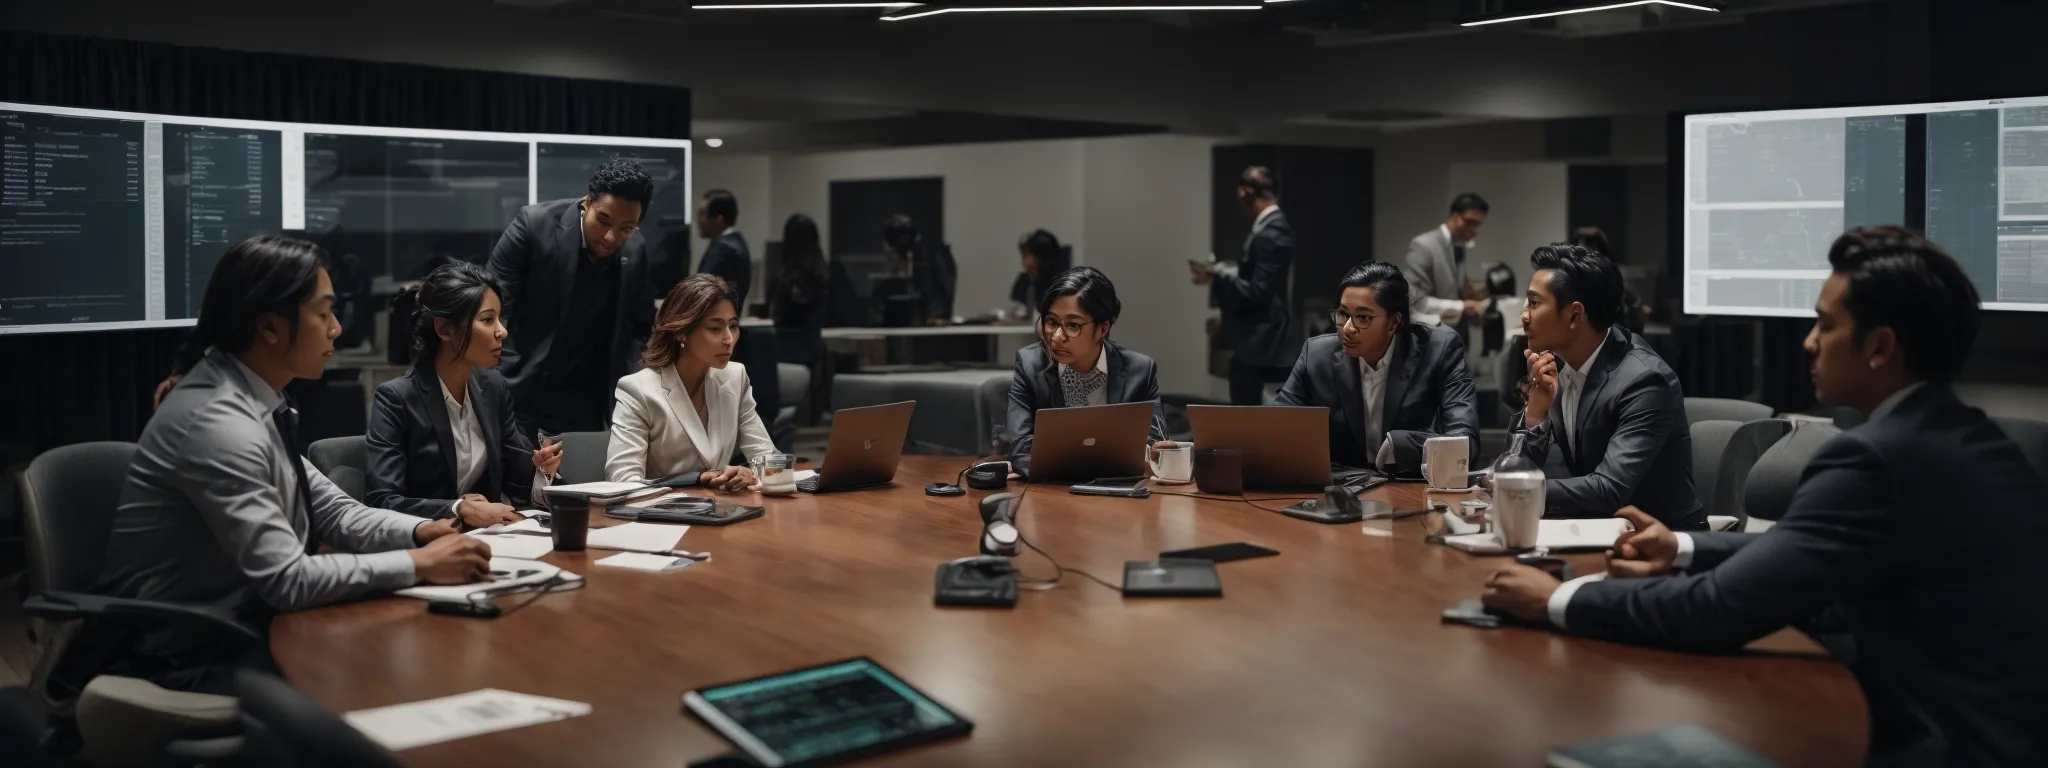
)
(793, 6)
(1590, 9)
(1050, 9)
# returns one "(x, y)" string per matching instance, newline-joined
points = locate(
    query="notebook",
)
(1556, 535)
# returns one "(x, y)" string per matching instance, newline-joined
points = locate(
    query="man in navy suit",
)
(1908, 548)
(1253, 293)
(1390, 384)
(727, 256)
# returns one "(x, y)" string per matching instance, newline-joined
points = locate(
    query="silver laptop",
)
(865, 445)
(1072, 445)
(1284, 447)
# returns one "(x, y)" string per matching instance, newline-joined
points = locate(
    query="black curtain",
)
(73, 387)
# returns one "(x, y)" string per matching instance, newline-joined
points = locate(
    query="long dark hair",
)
(803, 261)
(452, 292)
(685, 308)
(265, 274)
(1051, 256)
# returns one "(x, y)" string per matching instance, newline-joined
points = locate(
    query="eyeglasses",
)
(1047, 324)
(1339, 317)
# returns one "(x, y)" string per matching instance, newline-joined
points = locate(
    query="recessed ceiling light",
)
(1697, 6)
(714, 143)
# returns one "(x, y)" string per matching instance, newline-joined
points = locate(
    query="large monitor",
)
(1765, 193)
(115, 220)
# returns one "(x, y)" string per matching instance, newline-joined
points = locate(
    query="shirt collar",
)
(1379, 366)
(1101, 361)
(1260, 222)
(1446, 230)
(271, 399)
(1891, 403)
(1579, 374)
(449, 397)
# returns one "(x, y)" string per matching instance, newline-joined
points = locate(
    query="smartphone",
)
(1221, 553)
(1472, 613)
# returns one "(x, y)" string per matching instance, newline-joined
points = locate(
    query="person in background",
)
(1389, 384)
(1043, 259)
(577, 299)
(1904, 545)
(442, 439)
(219, 508)
(727, 256)
(1436, 262)
(1253, 294)
(1595, 239)
(1075, 364)
(679, 419)
(928, 268)
(801, 302)
(1599, 394)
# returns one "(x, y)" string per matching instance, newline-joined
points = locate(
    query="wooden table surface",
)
(1330, 654)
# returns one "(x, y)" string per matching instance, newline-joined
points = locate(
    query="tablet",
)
(824, 714)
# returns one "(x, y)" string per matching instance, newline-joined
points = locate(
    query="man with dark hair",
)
(1903, 550)
(1253, 293)
(219, 508)
(1389, 384)
(1598, 393)
(578, 305)
(1436, 262)
(727, 256)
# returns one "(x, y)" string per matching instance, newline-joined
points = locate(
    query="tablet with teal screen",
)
(824, 714)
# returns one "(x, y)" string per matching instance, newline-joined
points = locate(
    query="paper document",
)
(601, 488)
(805, 474)
(645, 562)
(516, 545)
(529, 524)
(645, 536)
(404, 726)
(541, 572)
(1554, 535)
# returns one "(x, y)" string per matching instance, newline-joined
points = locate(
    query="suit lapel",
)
(1597, 371)
(686, 414)
(1406, 357)
(487, 419)
(1353, 398)
(1113, 390)
(429, 387)
(568, 243)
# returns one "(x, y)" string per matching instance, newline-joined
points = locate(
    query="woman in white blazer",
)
(678, 420)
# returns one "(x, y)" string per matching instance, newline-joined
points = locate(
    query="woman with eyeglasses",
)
(677, 421)
(1075, 364)
(1390, 384)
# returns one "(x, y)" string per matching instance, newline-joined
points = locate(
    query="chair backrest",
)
(334, 452)
(793, 382)
(1739, 455)
(1776, 474)
(2032, 437)
(1698, 409)
(583, 456)
(297, 731)
(1709, 442)
(995, 414)
(68, 498)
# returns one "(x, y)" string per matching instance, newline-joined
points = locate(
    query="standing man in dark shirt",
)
(1253, 293)
(578, 306)
(727, 255)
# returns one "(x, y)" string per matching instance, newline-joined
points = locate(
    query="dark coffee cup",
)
(571, 525)
(1220, 471)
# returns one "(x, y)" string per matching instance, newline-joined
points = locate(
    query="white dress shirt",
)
(1374, 379)
(470, 460)
(1571, 383)
(1562, 598)
(1101, 394)
(1260, 222)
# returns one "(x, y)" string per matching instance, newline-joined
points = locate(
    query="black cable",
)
(538, 589)
(1238, 498)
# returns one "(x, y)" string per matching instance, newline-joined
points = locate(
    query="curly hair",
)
(687, 306)
(624, 179)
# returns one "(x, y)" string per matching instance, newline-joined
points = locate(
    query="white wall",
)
(1412, 186)
(1529, 209)
(1148, 213)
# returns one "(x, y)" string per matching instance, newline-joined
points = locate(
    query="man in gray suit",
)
(1599, 394)
(1436, 262)
(1907, 550)
(1389, 384)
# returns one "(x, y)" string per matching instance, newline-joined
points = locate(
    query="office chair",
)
(583, 456)
(68, 499)
(1775, 477)
(339, 457)
(2032, 437)
(994, 405)
(287, 728)
(1723, 453)
(1698, 409)
(793, 382)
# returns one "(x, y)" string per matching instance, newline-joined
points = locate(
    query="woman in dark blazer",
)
(1075, 364)
(442, 440)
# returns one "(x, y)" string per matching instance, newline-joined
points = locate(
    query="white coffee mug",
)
(1447, 460)
(1173, 465)
(1518, 509)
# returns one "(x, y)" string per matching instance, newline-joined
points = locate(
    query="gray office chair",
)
(342, 458)
(287, 728)
(994, 397)
(1723, 453)
(583, 456)
(1698, 409)
(2032, 437)
(68, 499)
(792, 383)
(1775, 477)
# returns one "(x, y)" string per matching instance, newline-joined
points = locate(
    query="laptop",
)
(1284, 447)
(865, 445)
(1074, 445)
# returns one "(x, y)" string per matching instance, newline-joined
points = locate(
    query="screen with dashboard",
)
(114, 220)
(1766, 193)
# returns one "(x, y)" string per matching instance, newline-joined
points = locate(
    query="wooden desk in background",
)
(1330, 654)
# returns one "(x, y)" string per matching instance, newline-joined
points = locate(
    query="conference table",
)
(1332, 653)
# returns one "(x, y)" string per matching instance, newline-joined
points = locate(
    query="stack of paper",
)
(404, 726)
(644, 562)
(536, 572)
(1554, 535)
(507, 539)
(637, 536)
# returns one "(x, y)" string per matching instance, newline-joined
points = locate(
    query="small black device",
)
(825, 714)
(1167, 577)
(944, 489)
(988, 476)
(1338, 505)
(1555, 566)
(1473, 613)
(475, 609)
(985, 580)
(687, 510)
(1220, 553)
